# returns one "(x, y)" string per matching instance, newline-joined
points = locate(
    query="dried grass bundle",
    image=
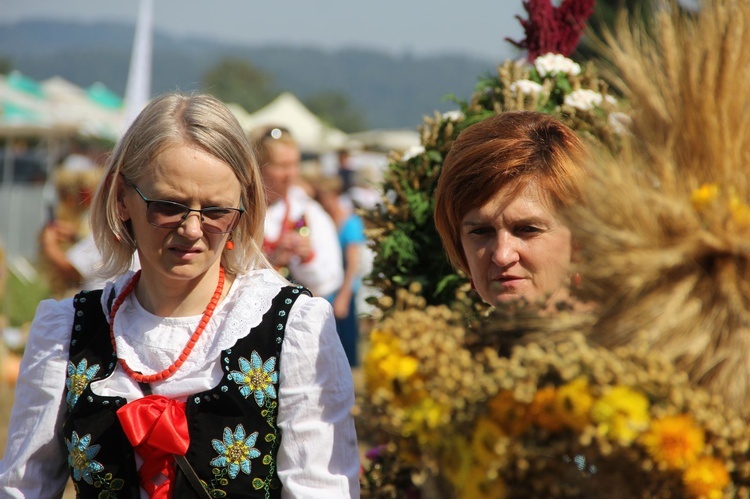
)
(665, 230)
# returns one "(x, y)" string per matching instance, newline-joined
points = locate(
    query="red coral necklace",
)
(169, 371)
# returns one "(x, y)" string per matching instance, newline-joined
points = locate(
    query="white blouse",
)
(318, 456)
(324, 274)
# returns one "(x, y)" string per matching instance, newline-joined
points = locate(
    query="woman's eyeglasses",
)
(170, 215)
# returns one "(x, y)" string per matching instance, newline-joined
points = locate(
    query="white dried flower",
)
(552, 64)
(620, 122)
(585, 99)
(454, 115)
(412, 152)
(526, 87)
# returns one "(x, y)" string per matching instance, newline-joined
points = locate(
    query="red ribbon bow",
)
(157, 428)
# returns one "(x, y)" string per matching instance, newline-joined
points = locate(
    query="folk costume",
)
(270, 355)
(322, 273)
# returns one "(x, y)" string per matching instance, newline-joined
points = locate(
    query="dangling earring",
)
(229, 244)
(575, 280)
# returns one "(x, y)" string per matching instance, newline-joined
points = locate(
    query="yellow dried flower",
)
(479, 485)
(423, 417)
(740, 211)
(573, 403)
(456, 459)
(621, 414)
(675, 441)
(385, 362)
(486, 435)
(707, 477)
(704, 196)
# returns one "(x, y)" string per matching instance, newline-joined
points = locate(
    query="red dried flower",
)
(553, 29)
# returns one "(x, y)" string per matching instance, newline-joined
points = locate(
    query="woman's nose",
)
(505, 252)
(192, 225)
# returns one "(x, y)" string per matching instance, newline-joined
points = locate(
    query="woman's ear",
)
(575, 251)
(121, 191)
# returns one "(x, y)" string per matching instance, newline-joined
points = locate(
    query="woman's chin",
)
(504, 295)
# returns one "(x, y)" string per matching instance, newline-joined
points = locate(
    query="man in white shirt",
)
(300, 238)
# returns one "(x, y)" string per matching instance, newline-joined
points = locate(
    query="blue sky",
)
(471, 27)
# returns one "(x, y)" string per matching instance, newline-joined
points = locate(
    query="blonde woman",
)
(203, 375)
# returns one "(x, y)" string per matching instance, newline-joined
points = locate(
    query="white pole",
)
(138, 89)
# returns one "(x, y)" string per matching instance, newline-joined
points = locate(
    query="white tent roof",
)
(287, 111)
(76, 109)
(54, 107)
(385, 140)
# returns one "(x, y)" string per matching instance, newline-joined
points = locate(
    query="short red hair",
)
(510, 148)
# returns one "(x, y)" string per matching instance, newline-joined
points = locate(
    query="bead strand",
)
(169, 371)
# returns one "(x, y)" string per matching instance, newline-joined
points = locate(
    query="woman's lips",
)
(507, 278)
(507, 283)
(184, 252)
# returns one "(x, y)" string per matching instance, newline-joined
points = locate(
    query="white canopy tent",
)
(385, 140)
(312, 134)
(55, 107)
(79, 110)
(47, 114)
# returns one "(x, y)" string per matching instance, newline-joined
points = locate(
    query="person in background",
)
(351, 234)
(300, 237)
(346, 170)
(497, 203)
(67, 247)
(365, 193)
(205, 374)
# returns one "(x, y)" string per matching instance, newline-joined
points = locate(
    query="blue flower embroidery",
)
(81, 457)
(236, 451)
(256, 377)
(78, 379)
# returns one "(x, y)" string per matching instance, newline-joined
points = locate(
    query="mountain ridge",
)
(392, 91)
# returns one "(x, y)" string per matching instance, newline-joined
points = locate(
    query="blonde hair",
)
(200, 121)
(268, 136)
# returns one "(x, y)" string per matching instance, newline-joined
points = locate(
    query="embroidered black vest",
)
(233, 434)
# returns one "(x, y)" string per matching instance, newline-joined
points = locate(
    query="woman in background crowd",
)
(300, 237)
(351, 234)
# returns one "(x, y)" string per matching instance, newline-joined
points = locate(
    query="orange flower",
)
(707, 477)
(542, 409)
(508, 413)
(674, 440)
